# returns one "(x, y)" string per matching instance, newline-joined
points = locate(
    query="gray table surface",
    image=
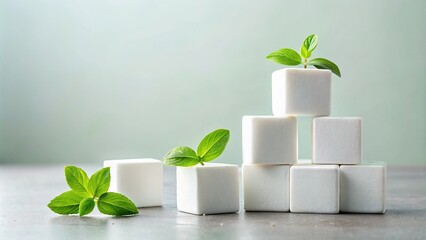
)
(25, 191)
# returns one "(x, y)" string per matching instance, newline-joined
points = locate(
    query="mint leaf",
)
(116, 204)
(99, 182)
(310, 43)
(285, 56)
(76, 178)
(304, 52)
(66, 203)
(322, 63)
(181, 156)
(308, 46)
(86, 206)
(213, 145)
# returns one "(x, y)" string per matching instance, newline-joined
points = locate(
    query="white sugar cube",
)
(336, 140)
(301, 92)
(266, 187)
(269, 140)
(314, 188)
(209, 189)
(141, 180)
(363, 188)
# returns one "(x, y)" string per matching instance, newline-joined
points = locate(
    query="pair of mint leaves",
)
(211, 147)
(85, 193)
(290, 57)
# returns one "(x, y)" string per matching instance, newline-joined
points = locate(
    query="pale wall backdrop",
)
(84, 81)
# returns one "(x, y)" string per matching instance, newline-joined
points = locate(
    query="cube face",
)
(141, 180)
(209, 189)
(187, 190)
(337, 140)
(314, 188)
(301, 92)
(363, 188)
(266, 187)
(269, 140)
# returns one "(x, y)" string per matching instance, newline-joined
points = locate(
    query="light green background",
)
(85, 81)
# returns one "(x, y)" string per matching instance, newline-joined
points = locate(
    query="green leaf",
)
(86, 206)
(99, 182)
(213, 145)
(304, 52)
(116, 204)
(322, 63)
(67, 202)
(285, 56)
(181, 156)
(76, 178)
(310, 43)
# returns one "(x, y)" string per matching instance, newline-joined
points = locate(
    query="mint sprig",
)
(290, 57)
(211, 147)
(85, 193)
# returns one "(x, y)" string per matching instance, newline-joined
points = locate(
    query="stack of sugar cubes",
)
(335, 180)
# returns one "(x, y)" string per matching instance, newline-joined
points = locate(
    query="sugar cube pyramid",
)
(336, 180)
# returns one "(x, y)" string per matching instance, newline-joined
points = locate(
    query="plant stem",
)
(304, 62)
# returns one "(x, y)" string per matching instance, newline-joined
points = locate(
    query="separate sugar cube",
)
(336, 140)
(269, 140)
(266, 187)
(141, 180)
(363, 188)
(209, 189)
(301, 92)
(314, 188)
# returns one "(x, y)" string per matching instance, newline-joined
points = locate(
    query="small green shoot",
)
(290, 57)
(211, 147)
